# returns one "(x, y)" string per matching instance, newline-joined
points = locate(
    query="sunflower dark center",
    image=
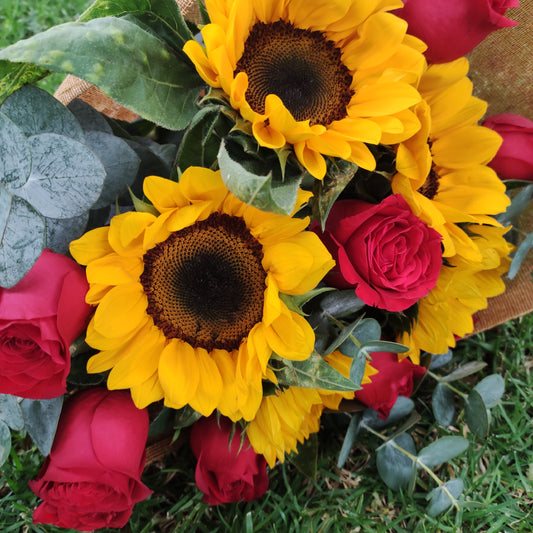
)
(430, 187)
(205, 284)
(302, 67)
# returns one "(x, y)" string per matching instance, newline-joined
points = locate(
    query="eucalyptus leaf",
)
(22, 242)
(66, 177)
(402, 407)
(15, 155)
(301, 299)
(89, 118)
(520, 254)
(5, 442)
(127, 63)
(464, 371)
(384, 346)
(354, 427)
(15, 75)
(443, 405)
(395, 467)
(491, 389)
(440, 360)
(10, 412)
(517, 206)
(358, 367)
(476, 414)
(41, 418)
(367, 330)
(120, 162)
(442, 450)
(35, 111)
(61, 231)
(5, 209)
(343, 335)
(341, 303)
(440, 501)
(314, 373)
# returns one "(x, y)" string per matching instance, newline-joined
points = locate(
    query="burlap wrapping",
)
(501, 69)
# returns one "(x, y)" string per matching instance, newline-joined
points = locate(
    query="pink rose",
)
(226, 473)
(451, 28)
(92, 477)
(514, 160)
(394, 378)
(39, 319)
(387, 253)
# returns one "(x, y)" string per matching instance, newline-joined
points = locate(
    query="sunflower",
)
(291, 415)
(462, 289)
(325, 78)
(442, 170)
(188, 298)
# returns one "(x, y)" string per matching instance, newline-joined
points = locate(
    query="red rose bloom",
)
(39, 318)
(387, 253)
(394, 378)
(514, 160)
(452, 28)
(92, 477)
(226, 473)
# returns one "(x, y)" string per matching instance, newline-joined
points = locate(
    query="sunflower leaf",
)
(15, 75)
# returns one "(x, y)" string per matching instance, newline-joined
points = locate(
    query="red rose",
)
(394, 378)
(514, 160)
(387, 253)
(39, 318)
(92, 477)
(452, 28)
(226, 473)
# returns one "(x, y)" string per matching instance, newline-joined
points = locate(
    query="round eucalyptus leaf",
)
(61, 231)
(491, 389)
(121, 164)
(35, 111)
(88, 117)
(5, 208)
(443, 405)
(22, 242)
(15, 155)
(10, 412)
(395, 468)
(476, 414)
(442, 450)
(5, 442)
(66, 177)
(440, 501)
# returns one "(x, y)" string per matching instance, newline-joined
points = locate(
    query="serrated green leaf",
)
(476, 415)
(5, 442)
(491, 389)
(120, 162)
(520, 254)
(36, 111)
(15, 75)
(61, 231)
(464, 371)
(15, 154)
(306, 457)
(10, 412)
(66, 177)
(440, 501)
(40, 419)
(127, 63)
(314, 373)
(22, 242)
(302, 299)
(256, 190)
(442, 450)
(342, 303)
(395, 468)
(354, 427)
(443, 405)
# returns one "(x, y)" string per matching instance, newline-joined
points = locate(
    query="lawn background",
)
(498, 471)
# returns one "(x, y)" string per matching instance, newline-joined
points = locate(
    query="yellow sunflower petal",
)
(148, 392)
(91, 246)
(210, 386)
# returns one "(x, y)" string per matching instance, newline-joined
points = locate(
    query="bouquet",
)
(301, 215)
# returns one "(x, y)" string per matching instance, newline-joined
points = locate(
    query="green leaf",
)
(367, 330)
(5, 209)
(491, 389)
(314, 373)
(520, 254)
(22, 242)
(440, 501)
(442, 450)
(306, 457)
(35, 111)
(127, 63)
(61, 231)
(342, 303)
(41, 418)
(443, 405)
(464, 371)
(120, 162)
(357, 368)
(476, 415)
(15, 154)
(402, 407)
(395, 468)
(66, 177)
(15, 75)
(517, 206)
(5, 442)
(257, 190)
(88, 117)
(384, 346)
(10, 412)
(301, 299)
(354, 427)
(440, 360)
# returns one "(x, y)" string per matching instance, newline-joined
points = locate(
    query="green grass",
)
(498, 471)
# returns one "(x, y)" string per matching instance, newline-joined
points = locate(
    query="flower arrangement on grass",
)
(304, 218)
